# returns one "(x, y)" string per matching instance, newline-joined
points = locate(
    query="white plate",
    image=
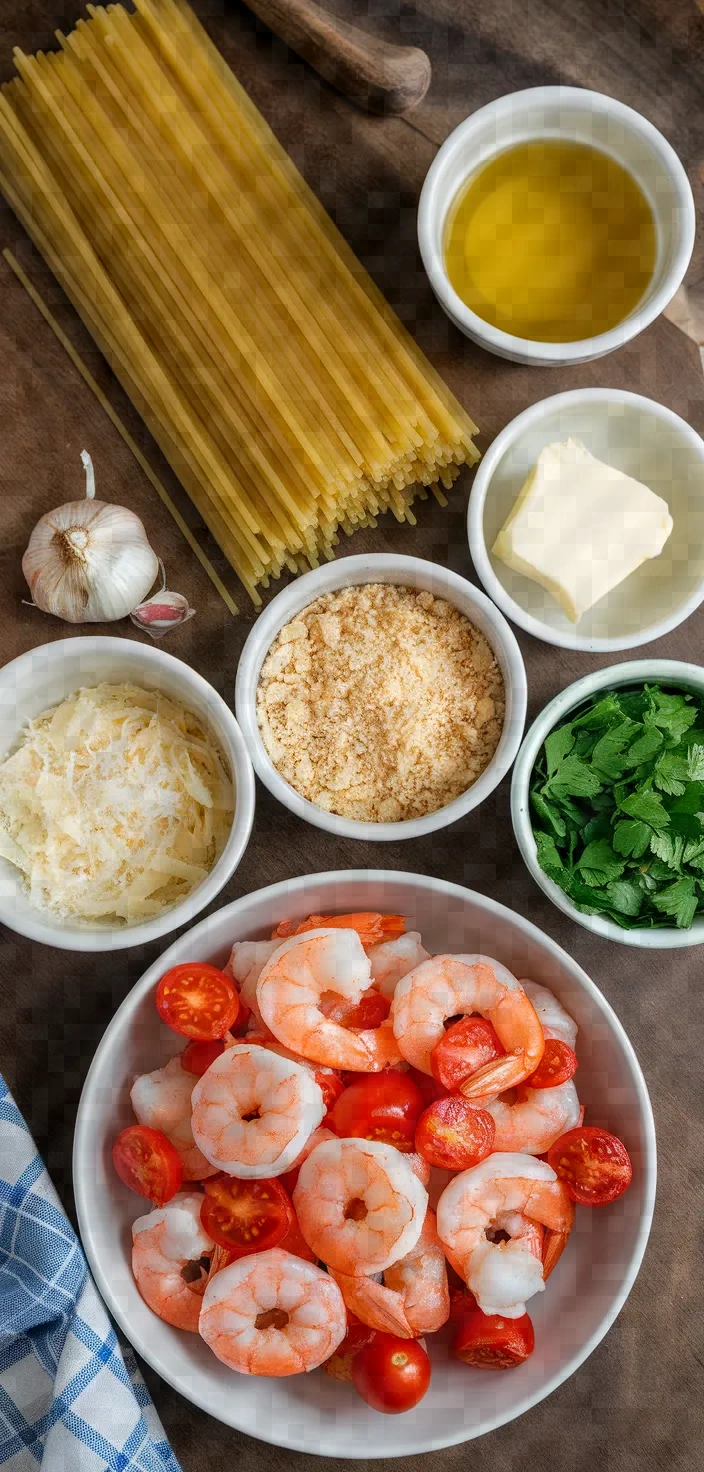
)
(313, 1413)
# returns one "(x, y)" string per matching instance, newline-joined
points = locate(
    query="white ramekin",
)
(645, 440)
(43, 678)
(582, 116)
(634, 672)
(409, 572)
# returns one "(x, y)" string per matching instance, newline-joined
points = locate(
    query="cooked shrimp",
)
(371, 927)
(247, 958)
(303, 971)
(556, 1022)
(492, 1197)
(535, 1120)
(448, 985)
(162, 1099)
(359, 1205)
(273, 1314)
(413, 1298)
(253, 1111)
(167, 1251)
(393, 959)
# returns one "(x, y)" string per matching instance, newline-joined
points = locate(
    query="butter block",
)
(579, 527)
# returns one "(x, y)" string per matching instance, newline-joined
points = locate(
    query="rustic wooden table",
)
(637, 1403)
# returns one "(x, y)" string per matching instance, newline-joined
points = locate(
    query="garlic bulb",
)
(163, 611)
(88, 562)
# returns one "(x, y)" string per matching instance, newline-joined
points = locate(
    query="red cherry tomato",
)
(391, 1374)
(557, 1065)
(429, 1086)
(466, 1046)
(371, 927)
(197, 1001)
(148, 1163)
(490, 1342)
(339, 1366)
(455, 1134)
(330, 1085)
(594, 1165)
(370, 1011)
(245, 1216)
(197, 1057)
(380, 1106)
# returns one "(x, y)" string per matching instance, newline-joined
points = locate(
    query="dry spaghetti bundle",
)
(276, 379)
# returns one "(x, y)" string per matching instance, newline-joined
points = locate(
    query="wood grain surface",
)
(637, 1404)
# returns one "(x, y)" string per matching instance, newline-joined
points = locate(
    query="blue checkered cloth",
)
(71, 1400)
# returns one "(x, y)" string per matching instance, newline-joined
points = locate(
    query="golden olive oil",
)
(552, 241)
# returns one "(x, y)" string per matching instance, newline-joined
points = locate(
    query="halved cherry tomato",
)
(330, 1085)
(197, 1000)
(295, 1242)
(466, 1046)
(455, 1134)
(371, 927)
(380, 1106)
(594, 1165)
(391, 1374)
(358, 1335)
(245, 1216)
(557, 1065)
(198, 1056)
(148, 1163)
(370, 1011)
(490, 1342)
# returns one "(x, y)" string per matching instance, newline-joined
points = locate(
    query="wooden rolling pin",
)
(376, 75)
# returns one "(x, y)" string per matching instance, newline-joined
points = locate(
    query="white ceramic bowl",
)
(635, 672)
(410, 572)
(644, 440)
(313, 1413)
(575, 114)
(44, 677)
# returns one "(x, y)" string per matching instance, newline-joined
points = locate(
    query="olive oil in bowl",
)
(551, 241)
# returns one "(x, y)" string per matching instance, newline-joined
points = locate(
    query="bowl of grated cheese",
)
(126, 794)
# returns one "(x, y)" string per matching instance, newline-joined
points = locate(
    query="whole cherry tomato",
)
(391, 1374)
(148, 1163)
(197, 1000)
(594, 1165)
(197, 1057)
(380, 1106)
(557, 1065)
(245, 1216)
(454, 1134)
(466, 1046)
(490, 1342)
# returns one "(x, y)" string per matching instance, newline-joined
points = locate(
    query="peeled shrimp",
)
(493, 1196)
(370, 925)
(273, 1314)
(162, 1100)
(253, 1111)
(448, 985)
(359, 1205)
(413, 1298)
(393, 959)
(247, 958)
(555, 1021)
(167, 1248)
(536, 1120)
(291, 986)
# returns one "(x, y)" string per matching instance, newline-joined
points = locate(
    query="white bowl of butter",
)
(569, 548)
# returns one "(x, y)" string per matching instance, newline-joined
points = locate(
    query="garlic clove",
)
(162, 612)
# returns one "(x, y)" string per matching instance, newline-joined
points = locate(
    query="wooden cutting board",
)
(636, 1402)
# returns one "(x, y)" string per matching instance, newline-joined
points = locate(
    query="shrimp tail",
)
(372, 927)
(554, 1244)
(495, 1077)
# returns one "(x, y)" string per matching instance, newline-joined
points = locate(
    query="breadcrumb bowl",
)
(314, 1413)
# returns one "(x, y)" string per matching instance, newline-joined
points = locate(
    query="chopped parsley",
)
(617, 803)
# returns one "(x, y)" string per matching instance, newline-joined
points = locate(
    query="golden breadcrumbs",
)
(380, 703)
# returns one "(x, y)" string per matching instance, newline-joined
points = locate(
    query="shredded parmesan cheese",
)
(115, 806)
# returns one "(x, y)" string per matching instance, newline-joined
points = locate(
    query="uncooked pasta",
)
(277, 381)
